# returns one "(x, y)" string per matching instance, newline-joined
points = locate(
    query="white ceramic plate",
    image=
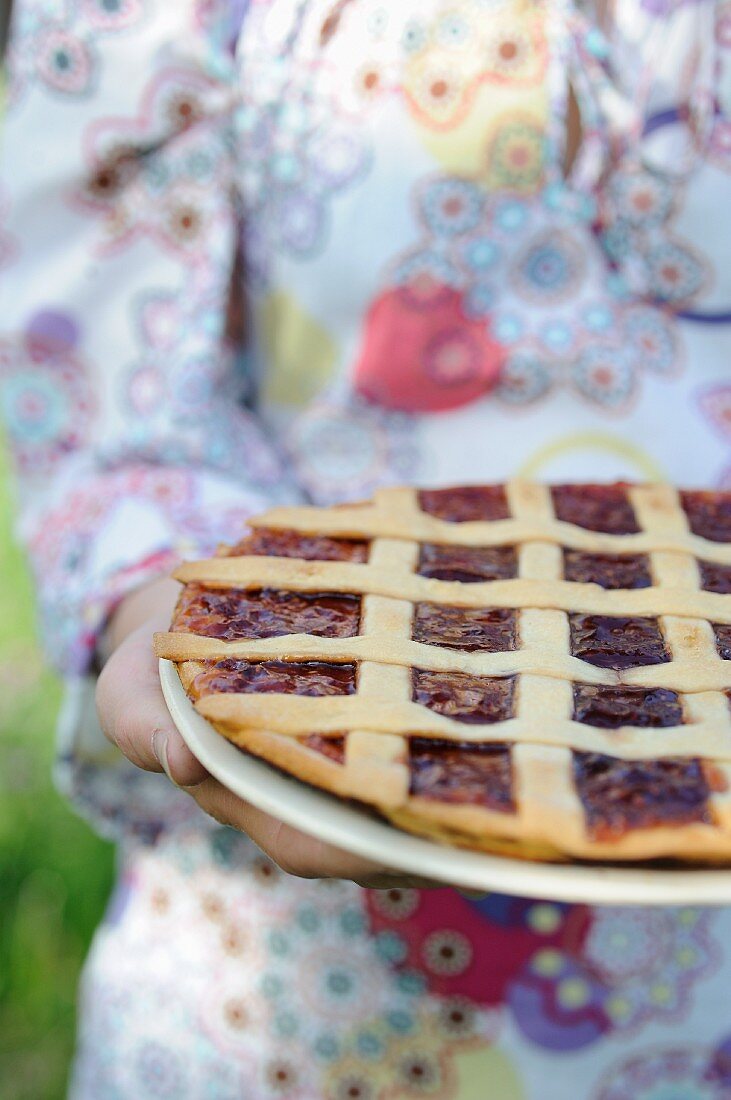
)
(326, 817)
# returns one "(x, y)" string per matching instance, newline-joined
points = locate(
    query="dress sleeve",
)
(123, 395)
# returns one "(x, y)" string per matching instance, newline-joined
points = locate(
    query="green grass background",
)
(55, 874)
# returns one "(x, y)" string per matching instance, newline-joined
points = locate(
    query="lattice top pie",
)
(519, 668)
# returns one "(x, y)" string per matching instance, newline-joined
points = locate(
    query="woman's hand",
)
(134, 716)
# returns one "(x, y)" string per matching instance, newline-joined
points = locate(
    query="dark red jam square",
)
(284, 677)
(445, 771)
(614, 642)
(463, 697)
(709, 514)
(331, 747)
(723, 640)
(596, 507)
(488, 629)
(612, 707)
(619, 795)
(468, 564)
(291, 544)
(468, 502)
(232, 613)
(607, 570)
(715, 577)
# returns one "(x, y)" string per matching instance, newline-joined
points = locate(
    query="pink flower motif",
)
(603, 375)
(160, 321)
(721, 138)
(723, 27)
(145, 389)
(176, 203)
(112, 15)
(64, 61)
(48, 403)
(663, 1072)
(715, 404)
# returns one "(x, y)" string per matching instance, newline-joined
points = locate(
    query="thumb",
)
(134, 716)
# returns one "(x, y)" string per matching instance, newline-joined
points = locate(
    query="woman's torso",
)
(431, 296)
(433, 301)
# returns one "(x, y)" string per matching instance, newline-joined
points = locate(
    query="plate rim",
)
(326, 817)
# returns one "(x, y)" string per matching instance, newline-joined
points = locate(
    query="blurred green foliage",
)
(55, 874)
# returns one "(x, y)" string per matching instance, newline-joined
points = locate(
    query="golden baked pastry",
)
(542, 671)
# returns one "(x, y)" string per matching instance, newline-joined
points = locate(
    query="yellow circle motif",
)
(620, 457)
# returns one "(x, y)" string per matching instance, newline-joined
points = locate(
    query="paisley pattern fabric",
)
(263, 250)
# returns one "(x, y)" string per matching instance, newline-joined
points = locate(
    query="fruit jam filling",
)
(619, 795)
(480, 775)
(465, 698)
(490, 630)
(290, 544)
(605, 508)
(612, 707)
(723, 640)
(715, 577)
(468, 503)
(232, 613)
(607, 570)
(468, 564)
(617, 642)
(709, 514)
(283, 677)
(331, 747)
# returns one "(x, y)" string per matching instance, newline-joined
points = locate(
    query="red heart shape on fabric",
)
(421, 353)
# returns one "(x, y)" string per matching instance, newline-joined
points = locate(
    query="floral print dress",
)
(296, 249)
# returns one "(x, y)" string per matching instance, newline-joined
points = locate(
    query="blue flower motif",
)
(479, 300)
(452, 30)
(411, 982)
(286, 1025)
(480, 254)
(596, 43)
(271, 986)
(35, 409)
(278, 943)
(339, 983)
(227, 847)
(549, 268)
(652, 339)
(602, 373)
(400, 1021)
(326, 1047)
(391, 947)
(352, 922)
(308, 919)
(507, 327)
(510, 214)
(557, 336)
(546, 268)
(451, 206)
(414, 37)
(598, 317)
(369, 1045)
(524, 378)
(675, 273)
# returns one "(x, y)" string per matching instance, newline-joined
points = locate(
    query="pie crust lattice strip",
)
(523, 669)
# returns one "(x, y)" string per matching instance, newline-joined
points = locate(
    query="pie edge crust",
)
(537, 835)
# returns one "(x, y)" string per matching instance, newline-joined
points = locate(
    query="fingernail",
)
(160, 749)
